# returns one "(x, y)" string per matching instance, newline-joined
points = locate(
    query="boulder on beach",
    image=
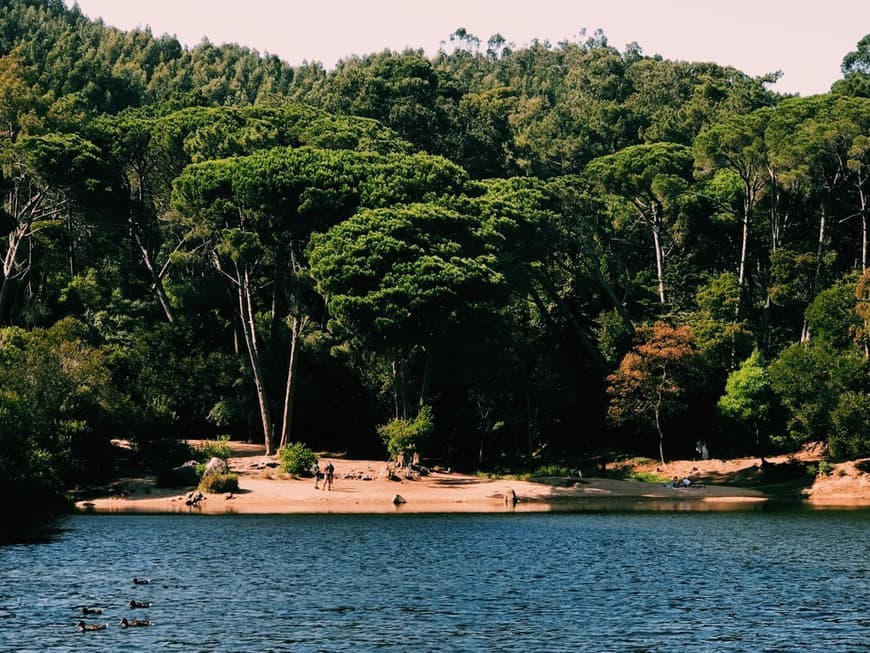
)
(181, 476)
(216, 466)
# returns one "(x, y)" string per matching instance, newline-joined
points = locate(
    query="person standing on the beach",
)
(315, 469)
(330, 474)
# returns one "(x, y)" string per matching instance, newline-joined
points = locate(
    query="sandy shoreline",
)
(364, 487)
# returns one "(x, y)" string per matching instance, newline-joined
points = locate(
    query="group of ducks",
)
(85, 627)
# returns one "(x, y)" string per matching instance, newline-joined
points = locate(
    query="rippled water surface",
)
(753, 581)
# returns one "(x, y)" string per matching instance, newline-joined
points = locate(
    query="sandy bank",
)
(363, 487)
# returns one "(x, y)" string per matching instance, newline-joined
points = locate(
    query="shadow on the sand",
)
(785, 479)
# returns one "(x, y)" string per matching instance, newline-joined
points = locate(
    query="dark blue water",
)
(753, 581)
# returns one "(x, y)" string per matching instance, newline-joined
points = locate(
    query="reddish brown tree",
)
(651, 381)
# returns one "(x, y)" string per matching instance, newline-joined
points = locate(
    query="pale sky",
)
(805, 39)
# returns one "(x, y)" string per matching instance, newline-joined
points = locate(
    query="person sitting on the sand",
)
(686, 482)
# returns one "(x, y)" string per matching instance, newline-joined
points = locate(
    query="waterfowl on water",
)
(139, 604)
(141, 581)
(86, 628)
(126, 623)
(87, 610)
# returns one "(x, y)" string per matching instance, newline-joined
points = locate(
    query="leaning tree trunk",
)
(250, 333)
(744, 248)
(156, 279)
(290, 391)
(820, 250)
(863, 199)
(655, 225)
(658, 416)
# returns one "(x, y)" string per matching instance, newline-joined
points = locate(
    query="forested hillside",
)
(549, 250)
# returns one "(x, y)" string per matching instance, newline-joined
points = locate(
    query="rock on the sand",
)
(215, 466)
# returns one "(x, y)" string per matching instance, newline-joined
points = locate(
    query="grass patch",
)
(647, 477)
(219, 483)
(219, 448)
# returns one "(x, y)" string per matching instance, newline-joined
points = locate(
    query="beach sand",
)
(364, 486)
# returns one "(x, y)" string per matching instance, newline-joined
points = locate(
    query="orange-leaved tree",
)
(651, 381)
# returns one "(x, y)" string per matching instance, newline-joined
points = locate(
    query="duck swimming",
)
(139, 604)
(127, 623)
(141, 581)
(86, 628)
(87, 610)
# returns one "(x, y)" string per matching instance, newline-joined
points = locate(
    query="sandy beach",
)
(365, 486)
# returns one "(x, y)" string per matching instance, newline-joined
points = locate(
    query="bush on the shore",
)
(219, 483)
(219, 448)
(296, 458)
(403, 436)
(850, 438)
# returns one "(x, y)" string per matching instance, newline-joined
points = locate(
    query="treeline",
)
(560, 250)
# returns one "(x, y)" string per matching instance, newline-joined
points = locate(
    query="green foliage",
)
(850, 436)
(748, 401)
(551, 470)
(219, 483)
(161, 203)
(219, 448)
(648, 477)
(718, 335)
(404, 436)
(832, 316)
(810, 380)
(296, 458)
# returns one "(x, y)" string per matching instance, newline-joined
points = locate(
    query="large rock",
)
(181, 476)
(216, 466)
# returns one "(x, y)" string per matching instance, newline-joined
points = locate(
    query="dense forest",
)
(492, 255)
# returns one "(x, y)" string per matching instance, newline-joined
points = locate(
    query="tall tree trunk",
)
(290, 391)
(863, 199)
(4, 294)
(400, 394)
(585, 339)
(9, 264)
(427, 380)
(744, 241)
(658, 416)
(820, 250)
(156, 279)
(655, 225)
(618, 305)
(71, 243)
(250, 333)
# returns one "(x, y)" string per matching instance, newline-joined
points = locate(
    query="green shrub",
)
(219, 483)
(850, 438)
(219, 448)
(403, 436)
(825, 468)
(296, 458)
(551, 470)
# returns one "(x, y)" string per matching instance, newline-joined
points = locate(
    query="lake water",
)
(712, 581)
